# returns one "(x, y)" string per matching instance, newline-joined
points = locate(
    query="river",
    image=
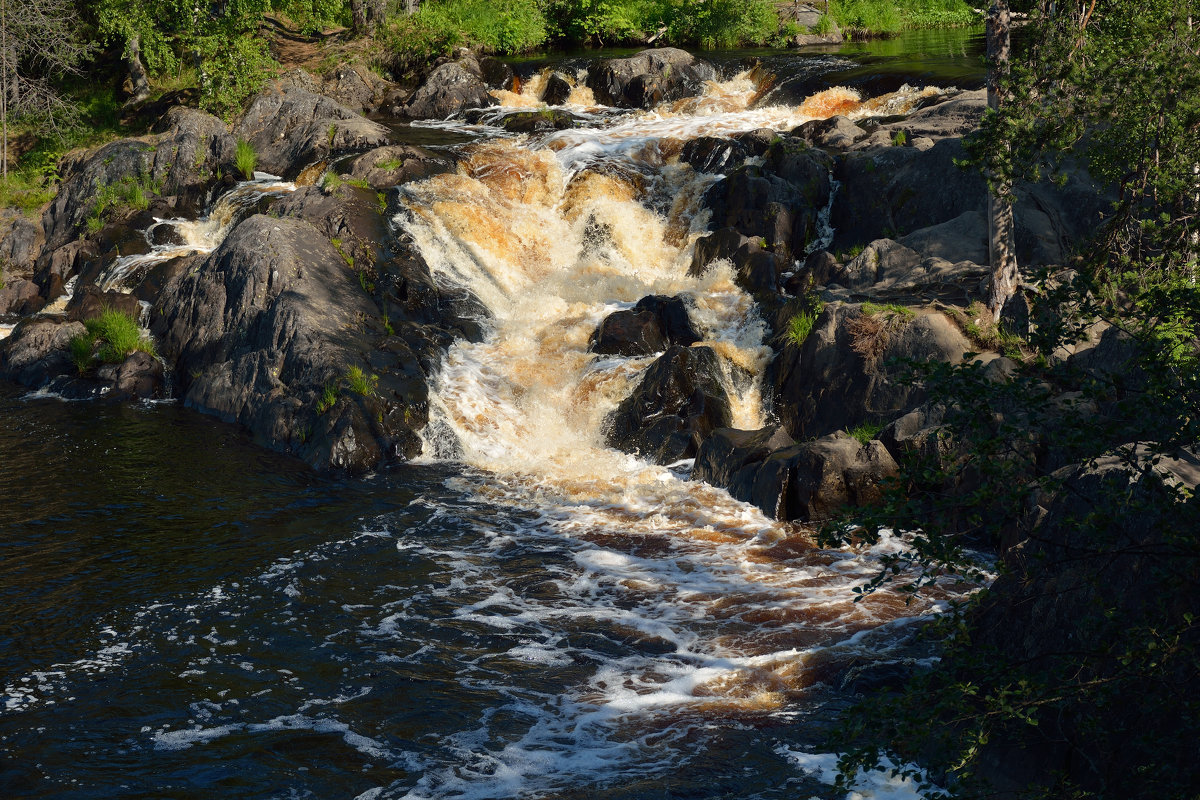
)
(523, 613)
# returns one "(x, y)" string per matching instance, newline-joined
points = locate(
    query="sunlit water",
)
(525, 613)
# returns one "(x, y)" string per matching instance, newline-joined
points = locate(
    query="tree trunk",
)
(376, 11)
(138, 78)
(1001, 249)
(4, 82)
(412, 6)
(358, 15)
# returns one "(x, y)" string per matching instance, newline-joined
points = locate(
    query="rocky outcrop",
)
(558, 89)
(679, 401)
(271, 331)
(21, 240)
(649, 78)
(293, 128)
(449, 89)
(654, 324)
(393, 165)
(36, 351)
(778, 201)
(812, 480)
(850, 367)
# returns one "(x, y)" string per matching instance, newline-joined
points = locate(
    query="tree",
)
(1001, 247)
(37, 45)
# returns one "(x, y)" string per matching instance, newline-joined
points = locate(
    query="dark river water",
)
(185, 615)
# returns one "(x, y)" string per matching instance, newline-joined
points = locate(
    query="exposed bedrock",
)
(654, 324)
(679, 401)
(450, 88)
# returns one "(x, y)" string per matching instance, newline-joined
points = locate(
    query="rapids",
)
(523, 613)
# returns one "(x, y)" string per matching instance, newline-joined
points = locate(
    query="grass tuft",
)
(866, 431)
(246, 159)
(358, 382)
(118, 335)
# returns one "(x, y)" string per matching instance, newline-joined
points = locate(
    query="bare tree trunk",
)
(358, 15)
(1001, 249)
(138, 78)
(376, 11)
(412, 6)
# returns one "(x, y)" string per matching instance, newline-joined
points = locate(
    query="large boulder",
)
(21, 241)
(271, 330)
(293, 128)
(679, 401)
(449, 89)
(850, 368)
(652, 325)
(36, 351)
(809, 481)
(649, 78)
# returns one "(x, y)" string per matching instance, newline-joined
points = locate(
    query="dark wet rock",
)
(138, 377)
(755, 269)
(818, 270)
(835, 133)
(293, 128)
(395, 164)
(453, 87)
(714, 155)
(495, 73)
(655, 323)
(953, 117)
(258, 330)
(679, 401)
(90, 302)
(36, 351)
(17, 295)
(166, 234)
(542, 121)
(920, 434)
(778, 201)
(558, 89)
(159, 275)
(649, 78)
(849, 369)
(812, 480)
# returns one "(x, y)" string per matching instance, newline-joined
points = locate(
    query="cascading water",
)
(526, 614)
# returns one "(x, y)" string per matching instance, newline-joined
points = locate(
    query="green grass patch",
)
(358, 183)
(329, 396)
(899, 138)
(114, 199)
(331, 182)
(799, 327)
(26, 191)
(865, 17)
(891, 309)
(358, 381)
(866, 431)
(389, 164)
(118, 335)
(246, 159)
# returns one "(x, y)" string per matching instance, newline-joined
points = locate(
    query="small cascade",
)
(174, 238)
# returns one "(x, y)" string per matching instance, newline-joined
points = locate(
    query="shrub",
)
(246, 159)
(416, 40)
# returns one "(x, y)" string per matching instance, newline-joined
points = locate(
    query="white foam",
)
(886, 784)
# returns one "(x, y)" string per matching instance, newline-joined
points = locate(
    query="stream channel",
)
(523, 612)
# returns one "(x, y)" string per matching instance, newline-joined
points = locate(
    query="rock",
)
(542, 121)
(449, 89)
(495, 73)
(678, 402)
(919, 434)
(818, 270)
(964, 238)
(393, 165)
(293, 128)
(140, 377)
(649, 78)
(812, 480)
(778, 201)
(20, 244)
(263, 325)
(354, 86)
(17, 295)
(649, 327)
(90, 303)
(713, 155)
(190, 149)
(954, 117)
(36, 351)
(1097, 585)
(755, 270)
(847, 371)
(349, 217)
(882, 261)
(558, 89)
(835, 133)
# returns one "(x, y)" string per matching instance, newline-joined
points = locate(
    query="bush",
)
(717, 23)
(438, 27)
(246, 159)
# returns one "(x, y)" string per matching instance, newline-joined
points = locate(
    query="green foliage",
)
(328, 398)
(313, 16)
(439, 26)
(390, 164)
(331, 182)
(81, 350)
(824, 25)
(118, 335)
(358, 382)
(598, 22)
(899, 138)
(891, 16)
(888, 309)
(246, 159)
(115, 199)
(867, 16)
(25, 191)
(358, 183)
(716, 23)
(866, 431)
(800, 326)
